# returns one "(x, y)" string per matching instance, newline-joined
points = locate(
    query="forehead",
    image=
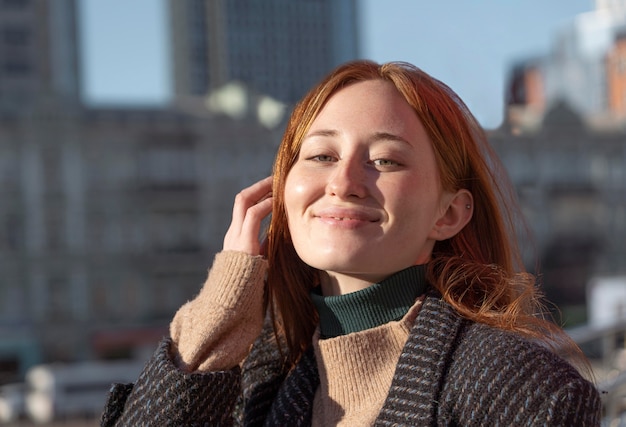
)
(374, 105)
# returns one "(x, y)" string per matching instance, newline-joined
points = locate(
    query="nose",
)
(348, 179)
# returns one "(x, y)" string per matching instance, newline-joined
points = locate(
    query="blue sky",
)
(469, 45)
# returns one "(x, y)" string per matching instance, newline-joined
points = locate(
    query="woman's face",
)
(364, 193)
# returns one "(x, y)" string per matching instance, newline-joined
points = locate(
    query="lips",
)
(342, 219)
(347, 214)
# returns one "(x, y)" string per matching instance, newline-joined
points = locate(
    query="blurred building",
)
(571, 181)
(280, 48)
(564, 145)
(38, 63)
(109, 217)
(38, 53)
(586, 69)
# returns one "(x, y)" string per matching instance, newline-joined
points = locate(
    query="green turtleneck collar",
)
(373, 306)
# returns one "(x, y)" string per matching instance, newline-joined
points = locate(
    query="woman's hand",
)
(252, 204)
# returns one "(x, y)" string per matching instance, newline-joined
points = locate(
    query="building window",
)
(12, 235)
(17, 67)
(16, 36)
(165, 166)
(175, 232)
(55, 231)
(15, 4)
(59, 298)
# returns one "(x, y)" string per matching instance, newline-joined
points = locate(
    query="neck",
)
(379, 303)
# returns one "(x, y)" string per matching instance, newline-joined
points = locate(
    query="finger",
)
(246, 237)
(252, 222)
(251, 206)
(249, 197)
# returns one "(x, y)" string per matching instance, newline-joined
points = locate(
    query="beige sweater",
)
(215, 331)
(356, 372)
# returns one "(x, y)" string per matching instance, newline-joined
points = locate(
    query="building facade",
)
(38, 52)
(109, 217)
(109, 221)
(277, 47)
(585, 69)
(570, 177)
(564, 144)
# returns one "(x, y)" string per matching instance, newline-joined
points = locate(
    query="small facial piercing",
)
(468, 206)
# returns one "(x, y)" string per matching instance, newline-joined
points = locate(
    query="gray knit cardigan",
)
(451, 372)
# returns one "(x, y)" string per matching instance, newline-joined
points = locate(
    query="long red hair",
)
(479, 271)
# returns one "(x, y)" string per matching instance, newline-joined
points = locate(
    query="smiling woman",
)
(389, 262)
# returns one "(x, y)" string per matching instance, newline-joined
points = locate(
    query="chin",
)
(339, 263)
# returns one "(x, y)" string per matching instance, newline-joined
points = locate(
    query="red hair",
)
(479, 271)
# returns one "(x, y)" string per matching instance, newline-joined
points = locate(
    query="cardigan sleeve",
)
(499, 378)
(166, 396)
(573, 401)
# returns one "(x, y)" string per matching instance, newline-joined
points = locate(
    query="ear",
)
(457, 211)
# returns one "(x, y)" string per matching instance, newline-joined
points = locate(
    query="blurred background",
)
(127, 128)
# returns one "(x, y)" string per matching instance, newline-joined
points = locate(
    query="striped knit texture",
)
(294, 403)
(548, 390)
(483, 376)
(262, 374)
(451, 372)
(165, 396)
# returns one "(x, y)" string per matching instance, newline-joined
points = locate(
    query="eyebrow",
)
(376, 137)
(390, 137)
(321, 132)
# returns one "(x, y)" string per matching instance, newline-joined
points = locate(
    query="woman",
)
(390, 277)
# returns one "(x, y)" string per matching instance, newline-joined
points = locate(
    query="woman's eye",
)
(384, 162)
(322, 158)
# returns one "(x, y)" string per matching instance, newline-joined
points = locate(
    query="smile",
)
(354, 216)
(347, 219)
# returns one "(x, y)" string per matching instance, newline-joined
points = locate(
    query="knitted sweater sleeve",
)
(194, 377)
(215, 330)
(511, 381)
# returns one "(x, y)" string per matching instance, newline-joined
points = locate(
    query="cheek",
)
(293, 200)
(297, 189)
(412, 198)
(290, 195)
